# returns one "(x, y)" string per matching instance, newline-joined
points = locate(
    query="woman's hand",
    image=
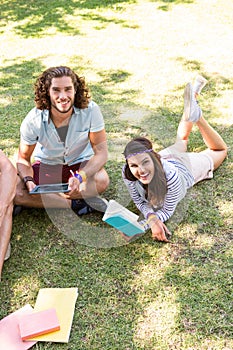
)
(160, 231)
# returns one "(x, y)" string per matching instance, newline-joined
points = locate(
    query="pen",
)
(77, 175)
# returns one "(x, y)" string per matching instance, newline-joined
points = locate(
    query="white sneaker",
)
(8, 252)
(192, 111)
(199, 83)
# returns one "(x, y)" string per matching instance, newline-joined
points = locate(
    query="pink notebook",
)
(9, 331)
(38, 323)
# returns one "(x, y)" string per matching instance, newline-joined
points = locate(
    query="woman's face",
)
(142, 167)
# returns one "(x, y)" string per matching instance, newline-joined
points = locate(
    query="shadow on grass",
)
(16, 92)
(166, 4)
(37, 17)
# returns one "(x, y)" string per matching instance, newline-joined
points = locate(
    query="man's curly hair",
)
(43, 83)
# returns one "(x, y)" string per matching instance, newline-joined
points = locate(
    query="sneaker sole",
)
(202, 82)
(187, 101)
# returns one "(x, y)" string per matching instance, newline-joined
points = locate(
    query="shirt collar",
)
(45, 114)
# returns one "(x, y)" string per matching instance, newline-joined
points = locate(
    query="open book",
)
(122, 219)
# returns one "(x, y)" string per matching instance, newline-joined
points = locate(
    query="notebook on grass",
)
(63, 300)
(38, 323)
(10, 338)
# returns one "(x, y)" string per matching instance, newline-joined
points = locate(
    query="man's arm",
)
(99, 145)
(96, 176)
(24, 165)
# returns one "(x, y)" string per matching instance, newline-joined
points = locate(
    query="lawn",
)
(137, 57)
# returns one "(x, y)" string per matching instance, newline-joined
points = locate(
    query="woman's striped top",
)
(179, 180)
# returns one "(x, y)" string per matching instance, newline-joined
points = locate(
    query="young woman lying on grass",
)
(157, 182)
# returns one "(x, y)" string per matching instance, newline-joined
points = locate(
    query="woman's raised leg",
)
(216, 147)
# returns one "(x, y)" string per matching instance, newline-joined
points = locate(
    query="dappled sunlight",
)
(149, 59)
(148, 272)
(188, 228)
(5, 100)
(116, 154)
(116, 145)
(205, 241)
(133, 115)
(158, 319)
(213, 343)
(224, 105)
(161, 309)
(224, 119)
(188, 271)
(24, 289)
(7, 142)
(195, 234)
(226, 209)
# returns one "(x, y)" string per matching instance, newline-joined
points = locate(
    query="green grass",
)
(137, 57)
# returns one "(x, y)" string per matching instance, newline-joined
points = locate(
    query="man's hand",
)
(30, 185)
(75, 188)
(159, 231)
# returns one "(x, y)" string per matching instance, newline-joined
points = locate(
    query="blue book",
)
(122, 219)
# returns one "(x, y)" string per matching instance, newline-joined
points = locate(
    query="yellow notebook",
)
(63, 300)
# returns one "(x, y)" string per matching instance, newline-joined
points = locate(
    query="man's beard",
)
(63, 112)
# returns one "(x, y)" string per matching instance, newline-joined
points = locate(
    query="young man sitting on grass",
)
(65, 133)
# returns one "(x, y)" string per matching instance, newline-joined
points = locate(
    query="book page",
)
(116, 208)
(122, 219)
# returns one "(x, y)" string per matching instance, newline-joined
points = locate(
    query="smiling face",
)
(142, 167)
(62, 94)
